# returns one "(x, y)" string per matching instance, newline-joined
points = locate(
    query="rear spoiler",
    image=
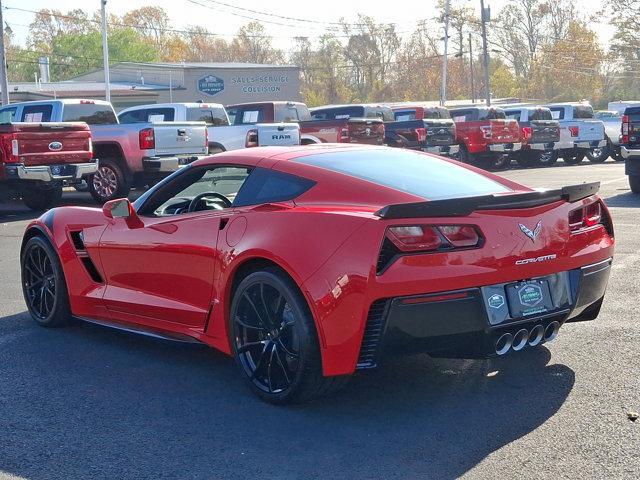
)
(460, 207)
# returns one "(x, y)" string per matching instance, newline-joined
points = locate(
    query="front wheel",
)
(43, 284)
(38, 199)
(109, 182)
(599, 154)
(634, 183)
(274, 340)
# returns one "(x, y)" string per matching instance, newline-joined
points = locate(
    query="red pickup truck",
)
(486, 136)
(38, 159)
(344, 128)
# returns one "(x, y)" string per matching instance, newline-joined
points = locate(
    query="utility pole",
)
(4, 83)
(443, 85)
(105, 51)
(484, 16)
(473, 89)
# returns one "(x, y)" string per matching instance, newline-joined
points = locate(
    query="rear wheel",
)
(41, 198)
(498, 162)
(43, 284)
(548, 158)
(274, 340)
(634, 183)
(108, 182)
(599, 154)
(573, 158)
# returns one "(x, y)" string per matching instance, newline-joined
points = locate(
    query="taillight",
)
(428, 238)
(87, 102)
(486, 131)
(147, 139)
(585, 217)
(10, 148)
(527, 133)
(90, 146)
(574, 130)
(625, 129)
(344, 134)
(421, 134)
(252, 138)
(15, 149)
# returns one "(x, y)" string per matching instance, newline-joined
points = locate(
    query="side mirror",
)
(118, 208)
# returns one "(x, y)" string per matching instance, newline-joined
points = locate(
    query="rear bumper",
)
(51, 173)
(629, 152)
(540, 146)
(443, 149)
(166, 164)
(468, 323)
(505, 147)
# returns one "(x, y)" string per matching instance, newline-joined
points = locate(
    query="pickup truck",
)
(580, 132)
(226, 132)
(539, 134)
(422, 127)
(38, 159)
(325, 128)
(630, 146)
(612, 125)
(486, 136)
(129, 155)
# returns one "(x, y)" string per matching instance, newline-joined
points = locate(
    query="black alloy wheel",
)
(274, 340)
(599, 154)
(573, 158)
(43, 284)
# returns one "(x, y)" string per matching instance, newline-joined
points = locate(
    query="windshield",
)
(411, 172)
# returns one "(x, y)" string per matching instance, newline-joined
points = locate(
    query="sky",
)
(218, 19)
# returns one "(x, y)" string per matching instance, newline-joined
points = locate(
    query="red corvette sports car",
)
(307, 264)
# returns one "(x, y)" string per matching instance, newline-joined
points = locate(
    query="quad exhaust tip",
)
(536, 335)
(520, 339)
(503, 345)
(551, 332)
(524, 337)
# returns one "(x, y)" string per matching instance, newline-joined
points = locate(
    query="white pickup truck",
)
(223, 134)
(128, 155)
(580, 132)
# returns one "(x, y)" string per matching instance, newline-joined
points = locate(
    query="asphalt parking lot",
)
(88, 402)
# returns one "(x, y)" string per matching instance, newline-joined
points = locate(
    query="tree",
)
(253, 45)
(47, 24)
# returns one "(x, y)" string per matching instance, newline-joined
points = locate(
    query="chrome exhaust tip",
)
(536, 335)
(503, 345)
(520, 339)
(551, 332)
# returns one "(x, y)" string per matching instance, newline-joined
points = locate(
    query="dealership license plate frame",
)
(529, 298)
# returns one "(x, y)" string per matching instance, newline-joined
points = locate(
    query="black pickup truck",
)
(405, 130)
(630, 146)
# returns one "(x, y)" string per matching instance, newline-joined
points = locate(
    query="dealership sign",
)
(210, 84)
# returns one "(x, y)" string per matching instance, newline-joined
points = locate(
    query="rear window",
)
(215, 116)
(491, 114)
(91, 113)
(633, 113)
(583, 111)
(37, 113)
(435, 113)
(540, 114)
(338, 113)
(384, 113)
(266, 185)
(144, 115)
(245, 115)
(514, 114)
(411, 172)
(405, 115)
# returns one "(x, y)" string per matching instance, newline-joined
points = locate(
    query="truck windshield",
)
(407, 171)
(90, 113)
(215, 116)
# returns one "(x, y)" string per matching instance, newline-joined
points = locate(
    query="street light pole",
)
(473, 90)
(4, 83)
(484, 14)
(443, 85)
(105, 51)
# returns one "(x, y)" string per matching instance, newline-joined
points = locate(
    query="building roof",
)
(220, 65)
(80, 86)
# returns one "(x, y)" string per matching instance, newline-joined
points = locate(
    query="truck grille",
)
(372, 334)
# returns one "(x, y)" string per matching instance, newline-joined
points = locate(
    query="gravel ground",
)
(88, 402)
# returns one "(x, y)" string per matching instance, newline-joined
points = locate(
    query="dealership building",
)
(144, 83)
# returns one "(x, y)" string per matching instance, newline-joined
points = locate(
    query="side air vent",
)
(387, 256)
(91, 269)
(77, 239)
(372, 334)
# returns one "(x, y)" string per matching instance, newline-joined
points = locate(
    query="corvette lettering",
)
(543, 258)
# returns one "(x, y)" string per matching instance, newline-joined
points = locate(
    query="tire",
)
(548, 158)
(274, 340)
(573, 158)
(108, 182)
(38, 199)
(599, 155)
(634, 183)
(47, 299)
(466, 157)
(213, 149)
(616, 154)
(498, 162)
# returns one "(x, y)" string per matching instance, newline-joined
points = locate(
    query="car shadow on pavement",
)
(624, 200)
(89, 402)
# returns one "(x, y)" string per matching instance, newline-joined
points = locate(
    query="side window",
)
(7, 115)
(37, 113)
(245, 115)
(211, 116)
(290, 114)
(583, 111)
(264, 186)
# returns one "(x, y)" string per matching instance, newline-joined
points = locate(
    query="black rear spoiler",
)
(460, 207)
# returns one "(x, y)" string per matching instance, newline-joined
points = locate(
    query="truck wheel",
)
(108, 182)
(634, 183)
(466, 157)
(42, 198)
(574, 158)
(600, 154)
(499, 162)
(528, 159)
(616, 154)
(548, 158)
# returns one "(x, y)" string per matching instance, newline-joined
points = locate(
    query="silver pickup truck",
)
(128, 155)
(224, 133)
(580, 132)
